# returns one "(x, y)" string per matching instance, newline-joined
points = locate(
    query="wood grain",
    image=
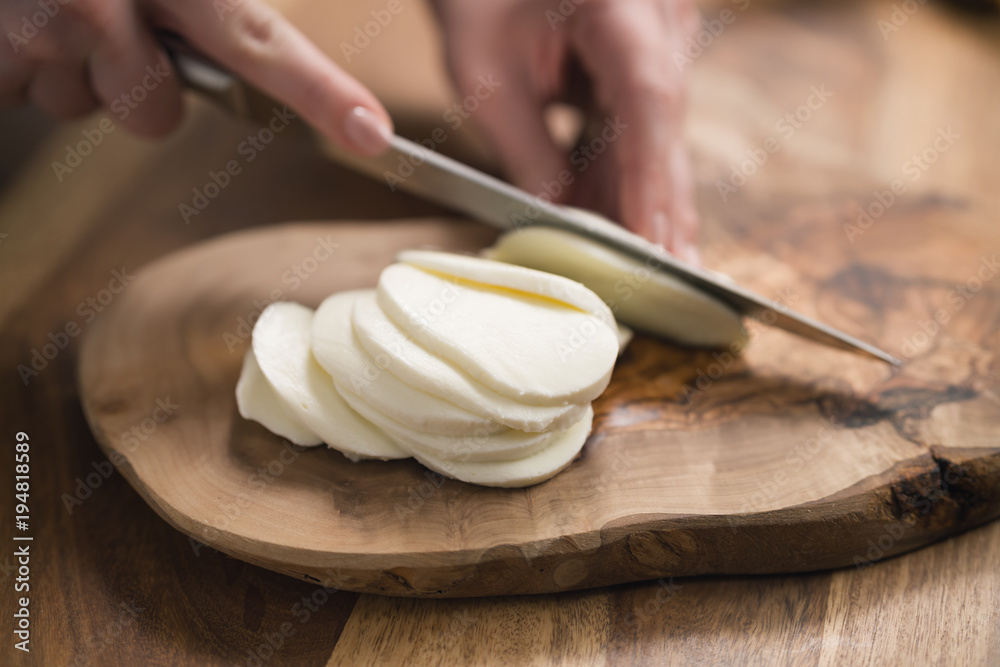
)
(936, 605)
(884, 614)
(789, 457)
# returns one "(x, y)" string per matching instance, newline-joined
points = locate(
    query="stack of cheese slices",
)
(481, 370)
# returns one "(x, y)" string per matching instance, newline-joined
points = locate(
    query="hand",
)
(71, 56)
(626, 48)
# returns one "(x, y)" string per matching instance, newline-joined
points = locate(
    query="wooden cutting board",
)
(791, 457)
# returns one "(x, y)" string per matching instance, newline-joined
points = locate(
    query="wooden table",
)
(111, 583)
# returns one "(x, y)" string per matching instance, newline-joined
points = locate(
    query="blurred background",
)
(911, 92)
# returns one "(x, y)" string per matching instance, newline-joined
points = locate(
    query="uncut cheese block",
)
(647, 300)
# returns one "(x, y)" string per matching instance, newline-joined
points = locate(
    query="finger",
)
(512, 85)
(62, 42)
(624, 47)
(62, 91)
(130, 73)
(258, 44)
(14, 80)
(514, 120)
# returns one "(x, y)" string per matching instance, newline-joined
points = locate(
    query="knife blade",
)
(443, 180)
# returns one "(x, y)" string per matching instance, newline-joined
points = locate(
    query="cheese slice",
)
(482, 445)
(256, 400)
(523, 472)
(481, 371)
(403, 357)
(536, 284)
(338, 352)
(536, 350)
(645, 299)
(281, 345)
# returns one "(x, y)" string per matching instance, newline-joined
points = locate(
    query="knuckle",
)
(652, 86)
(98, 17)
(38, 37)
(258, 31)
(42, 50)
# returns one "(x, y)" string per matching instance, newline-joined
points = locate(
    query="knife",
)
(443, 180)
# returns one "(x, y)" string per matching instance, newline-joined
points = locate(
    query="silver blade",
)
(415, 169)
(410, 167)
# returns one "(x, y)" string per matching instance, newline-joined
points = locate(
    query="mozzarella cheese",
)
(521, 472)
(535, 350)
(282, 347)
(338, 352)
(415, 365)
(479, 370)
(528, 282)
(645, 299)
(257, 400)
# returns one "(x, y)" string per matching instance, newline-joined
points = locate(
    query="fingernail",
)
(368, 134)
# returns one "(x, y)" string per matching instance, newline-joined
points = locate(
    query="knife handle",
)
(215, 83)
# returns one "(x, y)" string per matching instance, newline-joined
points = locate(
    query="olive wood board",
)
(787, 457)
